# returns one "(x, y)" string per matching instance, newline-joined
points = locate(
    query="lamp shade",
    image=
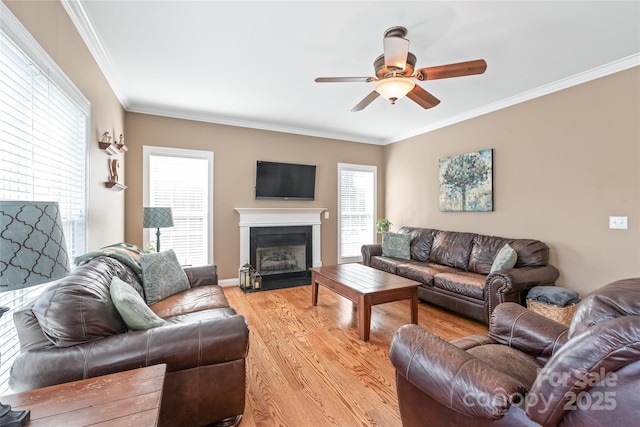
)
(394, 88)
(157, 218)
(32, 246)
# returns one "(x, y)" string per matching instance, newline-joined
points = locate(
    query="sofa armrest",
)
(368, 251)
(451, 376)
(513, 284)
(180, 346)
(202, 275)
(518, 327)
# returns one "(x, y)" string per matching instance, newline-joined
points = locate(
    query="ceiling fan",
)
(395, 72)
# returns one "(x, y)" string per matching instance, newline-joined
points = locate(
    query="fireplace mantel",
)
(279, 217)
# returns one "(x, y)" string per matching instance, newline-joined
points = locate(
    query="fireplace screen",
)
(280, 259)
(282, 255)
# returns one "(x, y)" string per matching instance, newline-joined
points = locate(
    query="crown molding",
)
(83, 25)
(586, 76)
(230, 121)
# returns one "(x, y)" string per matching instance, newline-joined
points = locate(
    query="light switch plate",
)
(326, 214)
(618, 222)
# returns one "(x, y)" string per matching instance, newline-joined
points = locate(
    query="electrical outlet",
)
(618, 222)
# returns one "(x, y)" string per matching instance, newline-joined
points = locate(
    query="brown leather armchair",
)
(529, 370)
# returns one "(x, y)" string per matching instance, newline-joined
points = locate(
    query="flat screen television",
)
(285, 181)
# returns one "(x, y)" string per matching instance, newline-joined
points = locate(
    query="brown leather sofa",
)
(529, 370)
(204, 343)
(454, 269)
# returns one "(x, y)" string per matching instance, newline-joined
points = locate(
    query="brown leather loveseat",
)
(455, 269)
(204, 342)
(529, 370)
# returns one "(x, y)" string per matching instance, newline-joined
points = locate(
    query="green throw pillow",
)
(134, 311)
(162, 276)
(396, 245)
(505, 259)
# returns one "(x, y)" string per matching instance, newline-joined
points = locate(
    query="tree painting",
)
(466, 182)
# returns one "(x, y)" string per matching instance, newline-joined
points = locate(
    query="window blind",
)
(357, 209)
(43, 135)
(182, 183)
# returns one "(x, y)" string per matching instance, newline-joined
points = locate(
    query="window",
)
(356, 209)
(182, 180)
(43, 145)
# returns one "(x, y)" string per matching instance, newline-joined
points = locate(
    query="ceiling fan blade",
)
(422, 97)
(396, 50)
(343, 79)
(452, 70)
(366, 101)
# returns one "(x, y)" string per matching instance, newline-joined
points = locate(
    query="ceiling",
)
(253, 64)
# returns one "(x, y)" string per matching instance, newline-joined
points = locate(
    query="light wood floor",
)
(307, 367)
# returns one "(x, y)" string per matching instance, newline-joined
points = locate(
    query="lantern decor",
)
(257, 281)
(245, 277)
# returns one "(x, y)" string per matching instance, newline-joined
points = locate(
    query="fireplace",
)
(261, 219)
(282, 255)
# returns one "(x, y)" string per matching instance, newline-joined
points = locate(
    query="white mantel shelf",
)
(280, 217)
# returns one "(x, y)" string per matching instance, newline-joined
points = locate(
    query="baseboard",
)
(228, 282)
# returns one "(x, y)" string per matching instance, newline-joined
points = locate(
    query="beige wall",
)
(563, 163)
(50, 25)
(236, 151)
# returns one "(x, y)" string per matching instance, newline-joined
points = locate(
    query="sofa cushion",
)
(134, 311)
(510, 361)
(192, 300)
(162, 276)
(462, 283)
(386, 264)
(452, 249)
(531, 253)
(78, 308)
(505, 259)
(422, 272)
(484, 251)
(396, 245)
(421, 241)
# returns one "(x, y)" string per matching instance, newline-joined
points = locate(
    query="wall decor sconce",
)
(110, 147)
(113, 183)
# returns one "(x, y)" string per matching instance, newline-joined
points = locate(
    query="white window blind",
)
(357, 202)
(43, 140)
(182, 180)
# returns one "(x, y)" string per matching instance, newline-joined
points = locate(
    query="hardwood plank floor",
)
(307, 366)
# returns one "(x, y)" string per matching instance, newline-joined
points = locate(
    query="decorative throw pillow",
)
(505, 258)
(396, 245)
(135, 312)
(162, 276)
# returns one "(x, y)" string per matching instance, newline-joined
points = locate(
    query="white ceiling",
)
(253, 64)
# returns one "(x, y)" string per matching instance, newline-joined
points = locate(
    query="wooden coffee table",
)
(365, 286)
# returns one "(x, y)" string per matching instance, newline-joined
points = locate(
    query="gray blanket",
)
(553, 295)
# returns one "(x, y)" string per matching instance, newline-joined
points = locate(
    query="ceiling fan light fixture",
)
(394, 88)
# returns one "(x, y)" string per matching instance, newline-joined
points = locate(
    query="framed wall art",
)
(466, 182)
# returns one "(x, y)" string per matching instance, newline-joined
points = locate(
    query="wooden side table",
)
(129, 398)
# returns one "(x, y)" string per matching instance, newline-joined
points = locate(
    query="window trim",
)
(36, 54)
(25, 41)
(149, 150)
(355, 167)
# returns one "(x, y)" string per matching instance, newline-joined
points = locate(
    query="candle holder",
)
(245, 277)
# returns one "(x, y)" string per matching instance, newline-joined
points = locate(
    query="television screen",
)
(285, 181)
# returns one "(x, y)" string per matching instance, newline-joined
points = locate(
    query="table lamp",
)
(157, 218)
(32, 252)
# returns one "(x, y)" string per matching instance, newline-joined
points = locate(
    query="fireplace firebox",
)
(282, 255)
